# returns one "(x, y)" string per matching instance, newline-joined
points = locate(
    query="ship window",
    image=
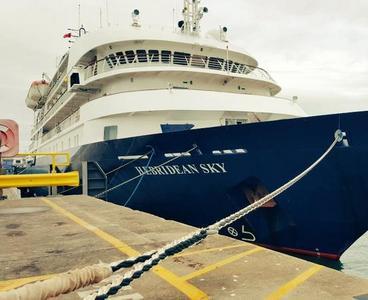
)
(241, 68)
(154, 55)
(111, 60)
(165, 56)
(121, 57)
(235, 121)
(110, 133)
(228, 65)
(130, 55)
(215, 63)
(181, 58)
(235, 68)
(142, 55)
(74, 79)
(199, 61)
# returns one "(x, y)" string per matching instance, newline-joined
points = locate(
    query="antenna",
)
(192, 14)
(107, 13)
(100, 17)
(173, 20)
(79, 15)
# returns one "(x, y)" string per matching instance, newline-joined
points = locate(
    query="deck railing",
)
(69, 121)
(114, 61)
(61, 99)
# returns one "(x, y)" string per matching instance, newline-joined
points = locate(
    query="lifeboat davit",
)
(36, 94)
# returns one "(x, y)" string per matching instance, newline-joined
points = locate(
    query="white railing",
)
(71, 120)
(51, 110)
(114, 61)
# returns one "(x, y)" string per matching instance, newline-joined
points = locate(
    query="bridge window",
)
(142, 55)
(215, 63)
(130, 55)
(235, 68)
(111, 60)
(181, 58)
(165, 56)
(199, 61)
(154, 55)
(228, 65)
(110, 132)
(121, 57)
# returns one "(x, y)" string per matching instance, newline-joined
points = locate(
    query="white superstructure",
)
(124, 82)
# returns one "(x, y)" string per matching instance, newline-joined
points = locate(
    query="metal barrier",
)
(53, 155)
(38, 180)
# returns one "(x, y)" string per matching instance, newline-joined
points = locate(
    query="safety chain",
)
(199, 235)
(146, 172)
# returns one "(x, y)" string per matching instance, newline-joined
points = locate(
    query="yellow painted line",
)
(210, 250)
(221, 263)
(292, 284)
(122, 247)
(7, 285)
(186, 288)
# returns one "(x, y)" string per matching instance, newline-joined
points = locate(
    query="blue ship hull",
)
(321, 215)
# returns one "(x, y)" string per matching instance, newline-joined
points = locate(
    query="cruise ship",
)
(185, 125)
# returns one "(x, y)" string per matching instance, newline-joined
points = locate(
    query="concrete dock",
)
(42, 237)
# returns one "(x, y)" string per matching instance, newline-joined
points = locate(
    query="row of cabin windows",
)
(61, 147)
(178, 58)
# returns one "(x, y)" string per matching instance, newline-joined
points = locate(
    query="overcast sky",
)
(317, 50)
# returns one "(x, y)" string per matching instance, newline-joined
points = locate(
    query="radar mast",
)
(192, 13)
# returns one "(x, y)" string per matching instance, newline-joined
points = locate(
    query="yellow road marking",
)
(210, 250)
(221, 263)
(122, 247)
(292, 284)
(7, 285)
(186, 288)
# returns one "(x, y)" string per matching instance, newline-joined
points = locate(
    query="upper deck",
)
(133, 59)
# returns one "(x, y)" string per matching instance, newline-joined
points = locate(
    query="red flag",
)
(67, 35)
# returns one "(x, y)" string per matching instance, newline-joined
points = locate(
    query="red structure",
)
(9, 138)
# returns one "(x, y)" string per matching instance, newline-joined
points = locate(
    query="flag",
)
(67, 35)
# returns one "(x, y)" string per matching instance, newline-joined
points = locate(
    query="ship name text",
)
(187, 169)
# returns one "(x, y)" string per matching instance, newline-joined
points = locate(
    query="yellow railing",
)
(53, 155)
(36, 180)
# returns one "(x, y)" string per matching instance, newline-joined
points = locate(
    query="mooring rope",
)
(146, 172)
(128, 163)
(110, 172)
(140, 179)
(191, 239)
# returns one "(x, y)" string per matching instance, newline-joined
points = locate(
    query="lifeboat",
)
(37, 93)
